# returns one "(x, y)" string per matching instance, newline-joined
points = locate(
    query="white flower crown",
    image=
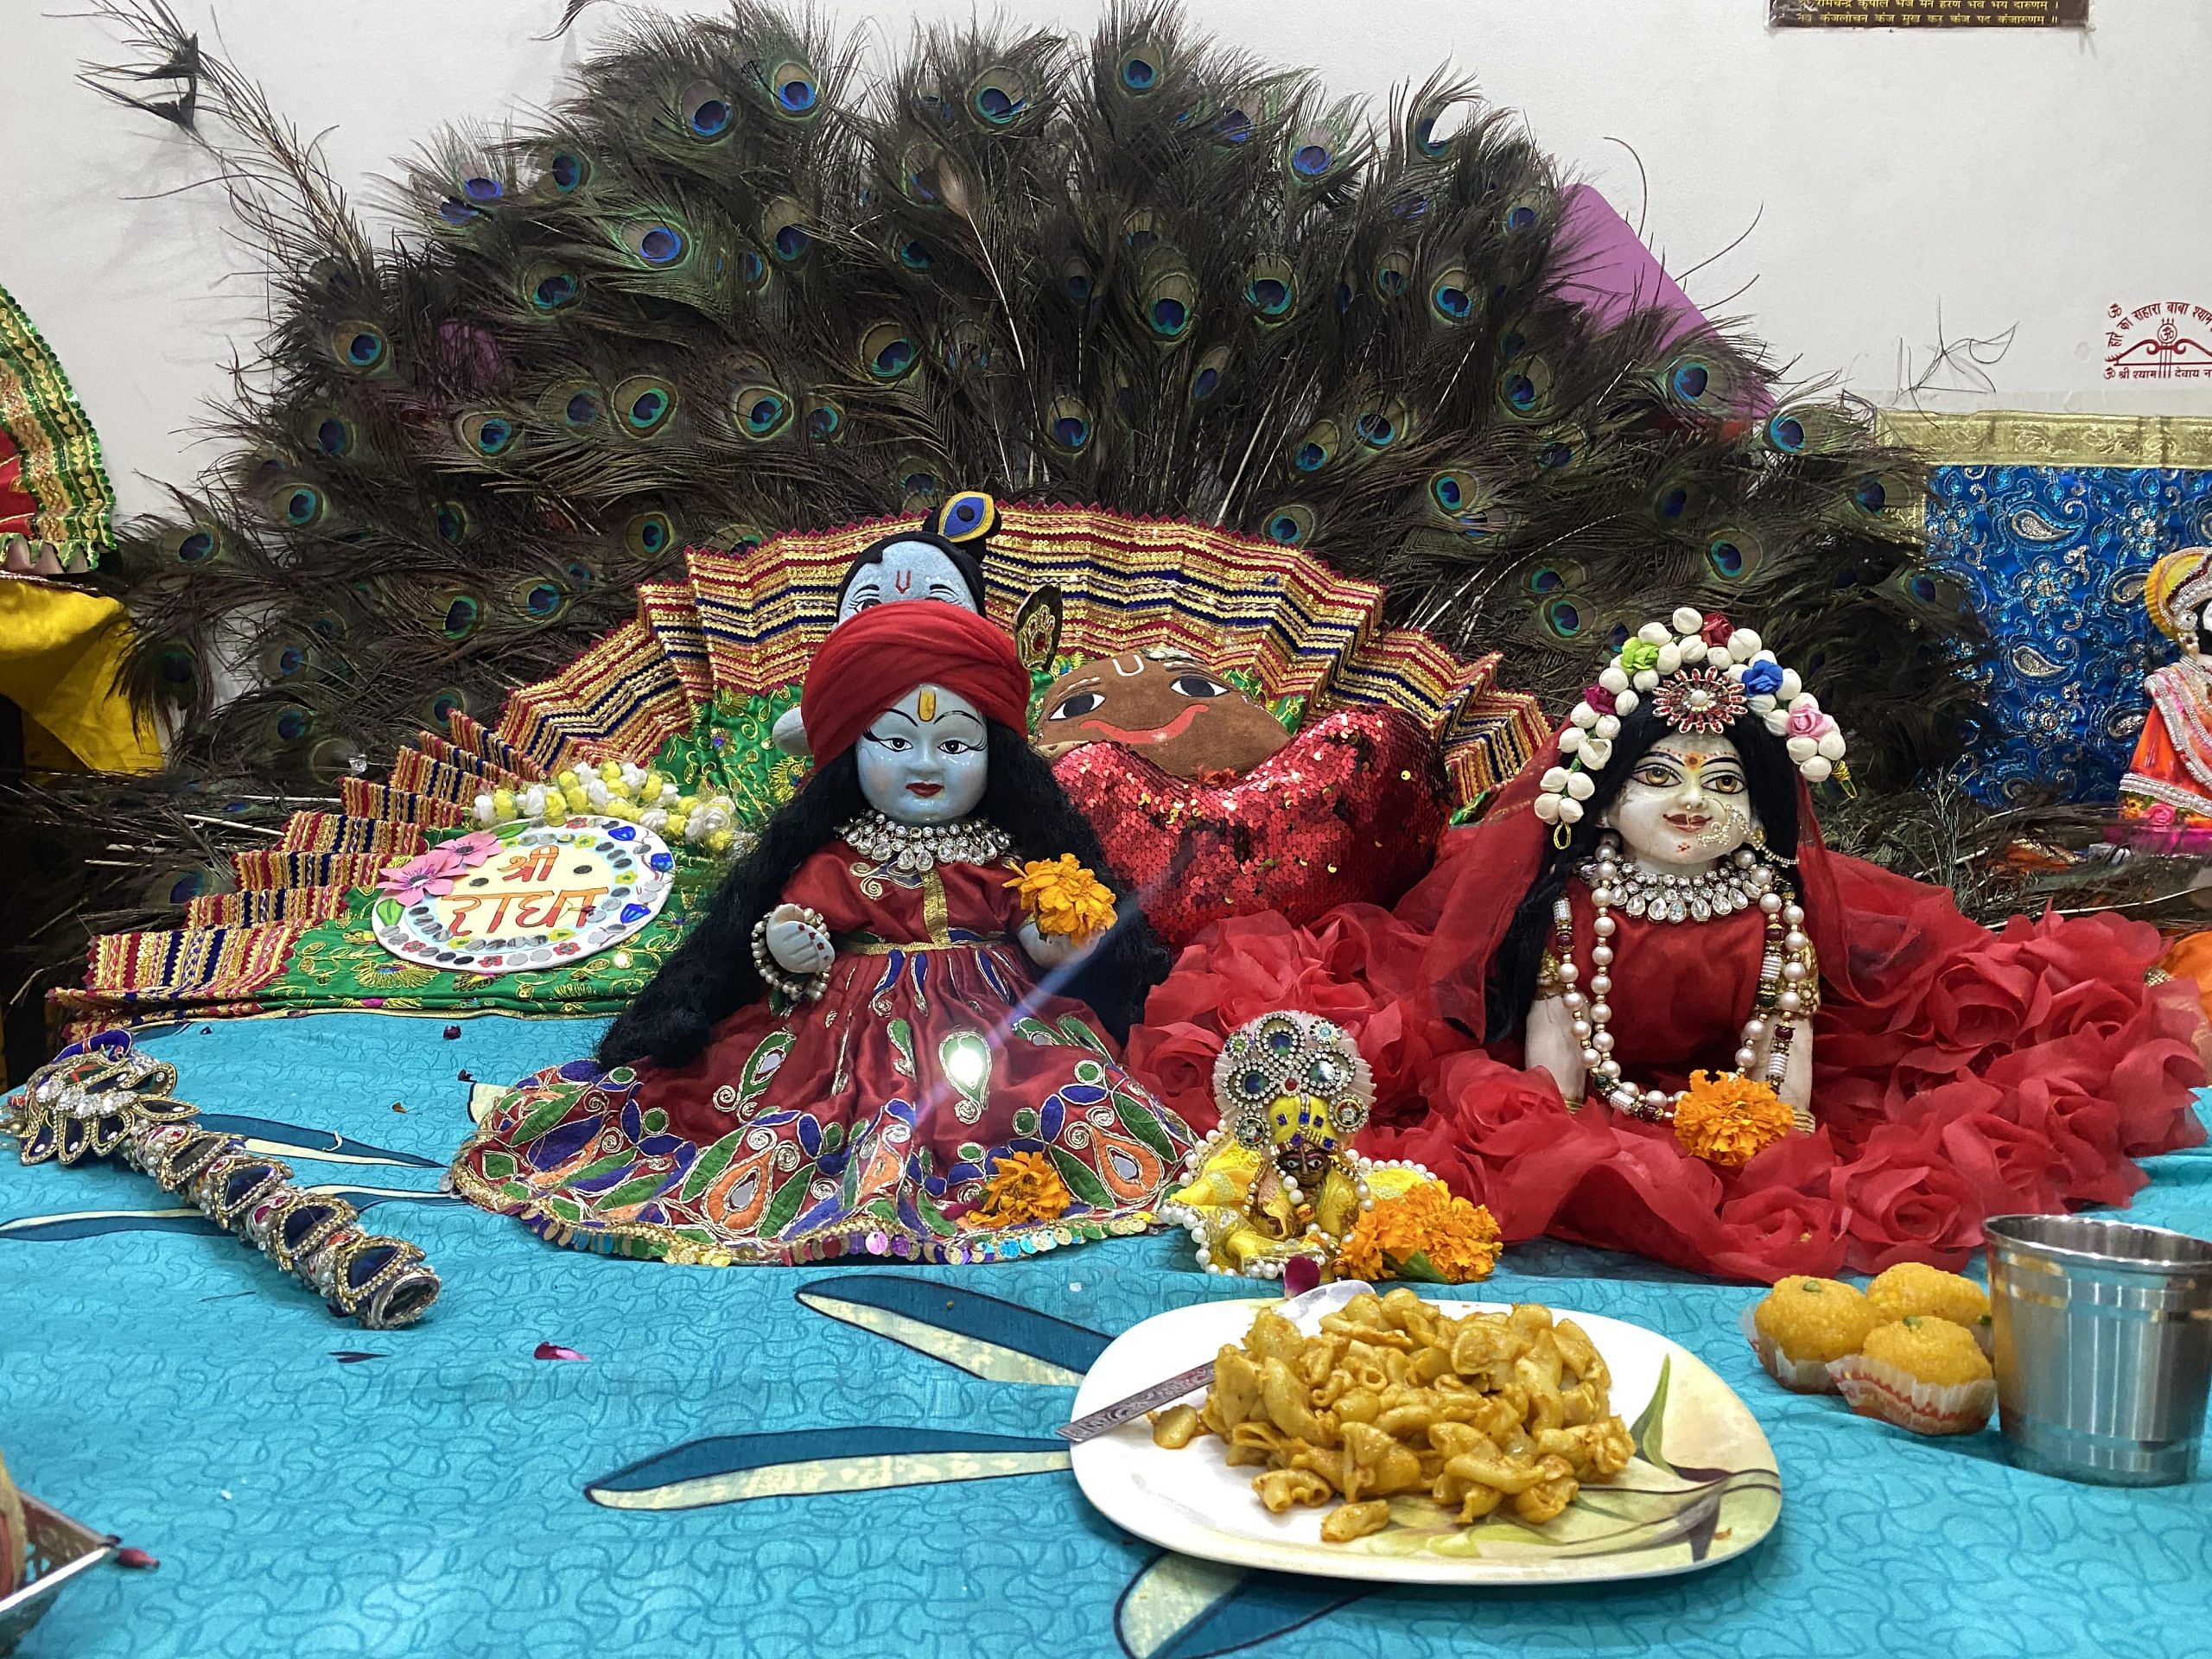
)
(1701, 674)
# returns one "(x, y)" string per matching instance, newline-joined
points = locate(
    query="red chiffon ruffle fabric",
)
(1959, 1073)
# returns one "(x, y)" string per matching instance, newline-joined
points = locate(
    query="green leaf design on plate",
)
(1649, 1431)
(388, 911)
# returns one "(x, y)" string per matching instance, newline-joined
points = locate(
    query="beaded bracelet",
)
(795, 988)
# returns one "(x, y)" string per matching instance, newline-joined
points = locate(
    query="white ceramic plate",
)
(1703, 1488)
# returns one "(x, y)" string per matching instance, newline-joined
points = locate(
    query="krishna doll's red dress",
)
(1958, 1072)
(874, 1119)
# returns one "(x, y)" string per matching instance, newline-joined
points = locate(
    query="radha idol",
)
(890, 1033)
(2165, 799)
(1705, 1037)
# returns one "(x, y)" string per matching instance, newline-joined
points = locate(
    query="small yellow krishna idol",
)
(1277, 1183)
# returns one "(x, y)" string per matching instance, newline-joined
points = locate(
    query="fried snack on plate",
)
(1489, 1412)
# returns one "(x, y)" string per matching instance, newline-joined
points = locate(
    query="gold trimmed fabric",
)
(2013, 437)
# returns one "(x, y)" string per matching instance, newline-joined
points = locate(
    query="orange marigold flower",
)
(1426, 1233)
(1025, 1188)
(1729, 1120)
(1064, 900)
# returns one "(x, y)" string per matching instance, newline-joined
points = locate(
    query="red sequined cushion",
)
(1351, 810)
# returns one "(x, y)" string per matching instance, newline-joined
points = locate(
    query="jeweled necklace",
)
(1789, 988)
(919, 847)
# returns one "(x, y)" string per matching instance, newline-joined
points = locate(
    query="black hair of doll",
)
(1769, 773)
(711, 975)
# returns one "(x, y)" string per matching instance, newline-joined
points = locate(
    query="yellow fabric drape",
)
(58, 650)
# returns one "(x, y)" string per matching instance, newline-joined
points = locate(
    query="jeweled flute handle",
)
(109, 1100)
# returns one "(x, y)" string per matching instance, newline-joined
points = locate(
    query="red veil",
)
(1959, 1072)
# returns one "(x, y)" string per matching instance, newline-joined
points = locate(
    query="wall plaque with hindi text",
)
(1928, 14)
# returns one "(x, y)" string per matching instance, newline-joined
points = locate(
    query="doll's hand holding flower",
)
(799, 944)
(1064, 900)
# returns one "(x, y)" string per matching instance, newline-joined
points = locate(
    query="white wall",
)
(1981, 180)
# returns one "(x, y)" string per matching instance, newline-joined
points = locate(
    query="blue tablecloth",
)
(311, 1488)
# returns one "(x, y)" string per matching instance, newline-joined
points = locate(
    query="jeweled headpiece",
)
(1293, 1083)
(2174, 593)
(1701, 673)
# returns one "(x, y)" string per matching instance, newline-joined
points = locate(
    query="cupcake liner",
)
(1876, 1388)
(1798, 1375)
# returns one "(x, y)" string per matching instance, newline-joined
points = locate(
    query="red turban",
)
(868, 664)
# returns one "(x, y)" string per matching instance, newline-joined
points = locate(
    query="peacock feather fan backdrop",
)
(742, 280)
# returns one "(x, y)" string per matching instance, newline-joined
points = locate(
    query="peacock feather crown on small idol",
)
(1702, 673)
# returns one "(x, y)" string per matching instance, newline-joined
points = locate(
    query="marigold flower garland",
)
(1426, 1234)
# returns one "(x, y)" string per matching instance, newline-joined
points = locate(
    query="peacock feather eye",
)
(825, 421)
(1068, 425)
(580, 576)
(1451, 296)
(1077, 281)
(458, 614)
(1394, 273)
(291, 724)
(1734, 555)
(1206, 378)
(1142, 66)
(1383, 425)
(548, 289)
(177, 669)
(452, 522)
(335, 435)
(453, 211)
(537, 599)
(1562, 617)
(1271, 290)
(656, 242)
(1170, 305)
(444, 704)
(1520, 214)
(783, 228)
(581, 410)
(738, 537)
(760, 412)
(1524, 389)
(644, 403)
(1232, 127)
(490, 433)
(298, 505)
(706, 112)
(794, 90)
(359, 347)
(1872, 493)
(915, 255)
(967, 517)
(567, 171)
(482, 189)
(917, 482)
(917, 166)
(649, 535)
(887, 353)
(1291, 526)
(998, 96)
(1312, 153)
(1317, 447)
(191, 543)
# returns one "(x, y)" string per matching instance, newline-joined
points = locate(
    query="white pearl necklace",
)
(1788, 971)
(919, 847)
